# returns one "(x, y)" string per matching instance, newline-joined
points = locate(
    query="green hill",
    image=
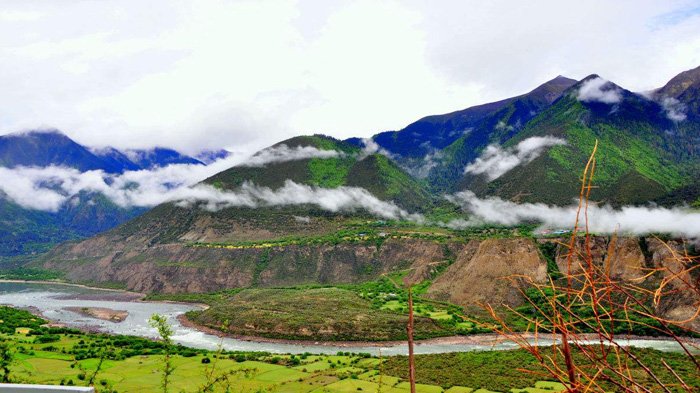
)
(374, 172)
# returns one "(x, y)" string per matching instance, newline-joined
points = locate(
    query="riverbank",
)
(477, 340)
(70, 284)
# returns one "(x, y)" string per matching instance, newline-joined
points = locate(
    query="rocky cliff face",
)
(485, 272)
(680, 285)
(174, 268)
(647, 262)
(622, 258)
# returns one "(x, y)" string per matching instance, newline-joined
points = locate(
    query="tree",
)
(165, 332)
(6, 360)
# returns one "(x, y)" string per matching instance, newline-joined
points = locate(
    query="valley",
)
(494, 236)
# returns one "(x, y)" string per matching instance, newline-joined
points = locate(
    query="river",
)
(52, 300)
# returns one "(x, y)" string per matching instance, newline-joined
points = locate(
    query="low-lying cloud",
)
(599, 90)
(340, 199)
(674, 109)
(372, 147)
(429, 161)
(605, 219)
(496, 160)
(284, 153)
(48, 189)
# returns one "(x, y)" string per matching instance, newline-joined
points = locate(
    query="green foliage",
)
(329, 172)
(47, 338)
(505, 370)
(12, 318)
(324, 313)
(130, 363)
(7, 356)
(30, 274)
(260, 266)
(165, 332)
(549, 252)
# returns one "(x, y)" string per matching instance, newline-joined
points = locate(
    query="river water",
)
(52, 299)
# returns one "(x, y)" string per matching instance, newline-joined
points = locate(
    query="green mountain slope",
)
(375, 173)
(26, 231)
(640, 155)
(474, 127)
(169, 222)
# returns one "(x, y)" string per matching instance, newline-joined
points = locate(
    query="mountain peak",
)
(39, 132)
(680, 83)
(560, 79)
(552, 89)
(591, 77)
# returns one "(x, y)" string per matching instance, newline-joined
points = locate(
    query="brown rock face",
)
(681, 302)
(484, 272)
(625, 261)
(622, 258)
(172, 268)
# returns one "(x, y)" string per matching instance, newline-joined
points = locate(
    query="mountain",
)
(439, 131)
(25, 231)
(174, 229)
(50, 147)
(650, 143)
(171, 222)
(158, 157)
(376, 173)
(42, 148)
(685, 88)
(208, 156)
(643, 154)
(115, 158)
(422, 143)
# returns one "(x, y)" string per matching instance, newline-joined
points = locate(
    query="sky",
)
(245, 74)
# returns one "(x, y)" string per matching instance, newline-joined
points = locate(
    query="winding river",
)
(53, 300)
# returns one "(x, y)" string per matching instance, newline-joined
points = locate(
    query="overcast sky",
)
(245, 74)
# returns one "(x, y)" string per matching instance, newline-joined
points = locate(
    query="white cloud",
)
(430, 161)
(675, 110)
(284, 153)
(48, 189)
(496, 161)
(599, 90)
(372, 147)
(340, 199)
(241, 74)
(626, 220)
(503, 126)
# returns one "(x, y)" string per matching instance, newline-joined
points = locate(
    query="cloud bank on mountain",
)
(495, 160)
(340, 199)
(48, 189)
(674, 109)
(599, 90)
(284, 153)
(634, 220)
